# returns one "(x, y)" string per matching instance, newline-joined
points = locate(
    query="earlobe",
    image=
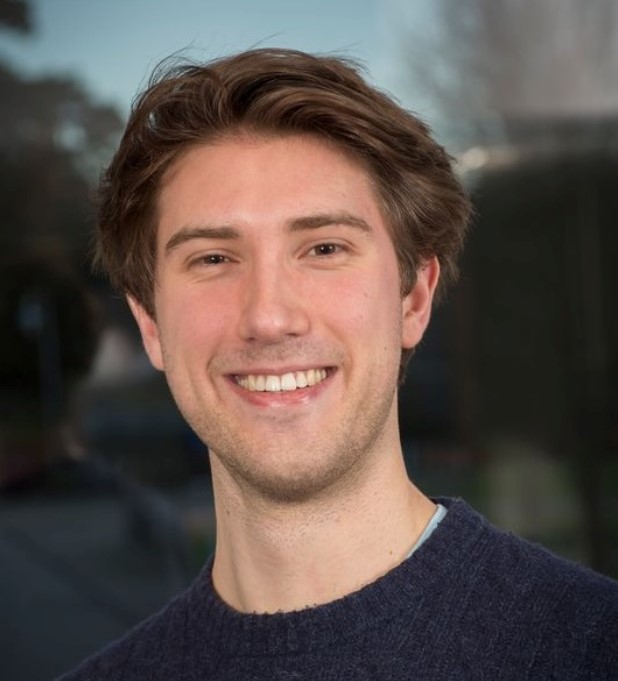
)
(149, 331)
(416, 306)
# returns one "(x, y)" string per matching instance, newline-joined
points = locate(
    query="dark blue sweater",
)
(472, 603)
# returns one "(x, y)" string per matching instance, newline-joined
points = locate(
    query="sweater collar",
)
(348, 618)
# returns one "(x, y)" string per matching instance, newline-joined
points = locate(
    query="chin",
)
(292, 487)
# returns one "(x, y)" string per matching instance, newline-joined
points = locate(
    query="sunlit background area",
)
(510, 402)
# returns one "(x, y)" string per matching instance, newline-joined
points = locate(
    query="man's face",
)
(279, 319)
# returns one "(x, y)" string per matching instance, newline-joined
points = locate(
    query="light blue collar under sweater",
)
(434, 521)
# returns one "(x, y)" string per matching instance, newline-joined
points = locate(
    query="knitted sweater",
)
(472, 603)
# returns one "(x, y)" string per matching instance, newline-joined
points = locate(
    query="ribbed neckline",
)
(235, 633)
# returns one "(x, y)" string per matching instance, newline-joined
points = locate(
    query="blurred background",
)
(512, 400)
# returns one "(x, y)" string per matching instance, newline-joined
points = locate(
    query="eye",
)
(209, 260)
(322, 250)
(214, 259)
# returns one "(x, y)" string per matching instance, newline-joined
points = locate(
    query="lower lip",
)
(283, 398)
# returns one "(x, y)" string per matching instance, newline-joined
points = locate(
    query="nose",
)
(273, 306)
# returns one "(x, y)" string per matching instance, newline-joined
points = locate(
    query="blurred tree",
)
(53, 140)
(15, 14)
(492, 61)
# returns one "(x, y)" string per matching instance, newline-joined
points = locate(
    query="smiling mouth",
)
(274, 383)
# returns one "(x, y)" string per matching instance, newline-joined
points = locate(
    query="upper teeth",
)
(273, 383)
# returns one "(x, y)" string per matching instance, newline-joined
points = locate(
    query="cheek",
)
(368, 307)
(190, 323)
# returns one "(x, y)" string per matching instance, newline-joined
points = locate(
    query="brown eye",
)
(213, 259)
(209, 260)
(326, 249)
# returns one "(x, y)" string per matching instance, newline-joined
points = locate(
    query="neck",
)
(274, 557)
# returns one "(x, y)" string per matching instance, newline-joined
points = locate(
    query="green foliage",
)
(53, 141)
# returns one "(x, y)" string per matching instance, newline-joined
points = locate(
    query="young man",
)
(280, 230)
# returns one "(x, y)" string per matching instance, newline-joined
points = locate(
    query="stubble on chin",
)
(285, 469)
(292, 471)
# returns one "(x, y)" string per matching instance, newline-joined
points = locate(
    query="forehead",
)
(263, 178)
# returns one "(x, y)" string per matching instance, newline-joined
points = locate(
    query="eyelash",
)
(321, 250)
(215, 256)
(331, 249)
(212, 259)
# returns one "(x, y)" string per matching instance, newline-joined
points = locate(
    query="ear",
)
(416, 306)
(150, 333)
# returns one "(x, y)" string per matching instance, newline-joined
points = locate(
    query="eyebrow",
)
(226, 232)
(326, 219)
(190, 233)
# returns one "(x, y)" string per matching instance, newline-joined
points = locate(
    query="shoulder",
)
(550, 611)
(156, 643)
(511, 567)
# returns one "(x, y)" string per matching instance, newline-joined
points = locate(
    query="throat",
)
(298, 560)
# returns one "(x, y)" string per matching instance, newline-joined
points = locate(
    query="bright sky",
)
(112, 45)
